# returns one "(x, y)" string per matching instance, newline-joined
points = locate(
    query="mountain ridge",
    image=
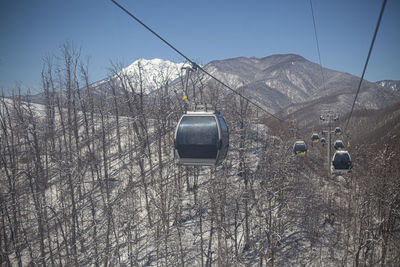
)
(279, 81)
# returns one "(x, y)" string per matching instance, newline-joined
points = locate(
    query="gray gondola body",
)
(338, 131)
(339, 145)
(315, 137)
(341, 162)
(299, 147)
(201, 139)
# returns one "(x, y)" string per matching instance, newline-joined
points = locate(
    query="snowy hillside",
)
(393, 85)
(90, 180)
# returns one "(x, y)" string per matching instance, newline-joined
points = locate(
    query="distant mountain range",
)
(286, 83)
(282, 84)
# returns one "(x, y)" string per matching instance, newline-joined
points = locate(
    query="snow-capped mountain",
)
(149, 74)
(154, 72)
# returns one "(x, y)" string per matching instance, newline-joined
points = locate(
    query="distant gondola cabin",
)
(338, 131)
(315, 137)
(339, 145)
(300, 148)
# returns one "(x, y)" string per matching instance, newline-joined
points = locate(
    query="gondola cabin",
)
(201, 138)
(323, 141)
(315, 137)
(300, 148)
(341, 162)
(339, 145)
(338, 131)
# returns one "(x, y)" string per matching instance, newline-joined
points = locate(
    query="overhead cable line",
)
(366, 62)
(194, 65)
(316, 39)
(318, 50)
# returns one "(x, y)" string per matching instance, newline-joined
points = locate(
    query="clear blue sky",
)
(204, 30)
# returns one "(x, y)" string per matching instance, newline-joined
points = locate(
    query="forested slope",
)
(91, 180)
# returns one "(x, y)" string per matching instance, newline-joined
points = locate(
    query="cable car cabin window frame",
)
(201, 154)
(336, 170)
